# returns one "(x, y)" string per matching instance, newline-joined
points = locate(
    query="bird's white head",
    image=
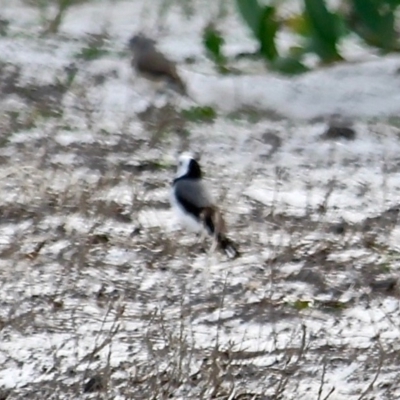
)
(188, 167)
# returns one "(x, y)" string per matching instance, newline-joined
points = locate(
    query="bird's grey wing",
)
(193, 192)
(155, 65)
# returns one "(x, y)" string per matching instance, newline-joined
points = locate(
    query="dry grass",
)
(66, 280)
(102, 299)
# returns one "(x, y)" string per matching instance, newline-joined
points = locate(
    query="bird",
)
(153, 65)
(194, 205)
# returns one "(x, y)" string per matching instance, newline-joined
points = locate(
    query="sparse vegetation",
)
(94, 49)
(320, 28)
(160, 353)
(102, 297)
(199, 114)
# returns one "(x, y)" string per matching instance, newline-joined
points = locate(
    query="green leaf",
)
(393, 3)
(325, 30)
(213, 42)
(301, 304)
(262, 22)
(298, 24)
(251, 12)
(199, 114)
(375, 22)
(289, 65)
(268, 28)
(91, 53)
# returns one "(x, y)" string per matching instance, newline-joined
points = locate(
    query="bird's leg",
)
(201, 238)
(214, 245)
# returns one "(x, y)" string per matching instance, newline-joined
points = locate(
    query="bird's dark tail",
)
(228, 246)
(215, 225)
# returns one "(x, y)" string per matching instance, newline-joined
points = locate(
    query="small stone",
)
(309, 276)
(387, 285)
(339, 228)
(273, 140)
(335, 132)
(97, 239)
(95, 384)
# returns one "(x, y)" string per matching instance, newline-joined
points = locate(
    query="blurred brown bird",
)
(153, 65)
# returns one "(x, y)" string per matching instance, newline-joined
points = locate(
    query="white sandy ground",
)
(293, 180)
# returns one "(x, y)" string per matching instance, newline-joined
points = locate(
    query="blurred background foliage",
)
(319, 27)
